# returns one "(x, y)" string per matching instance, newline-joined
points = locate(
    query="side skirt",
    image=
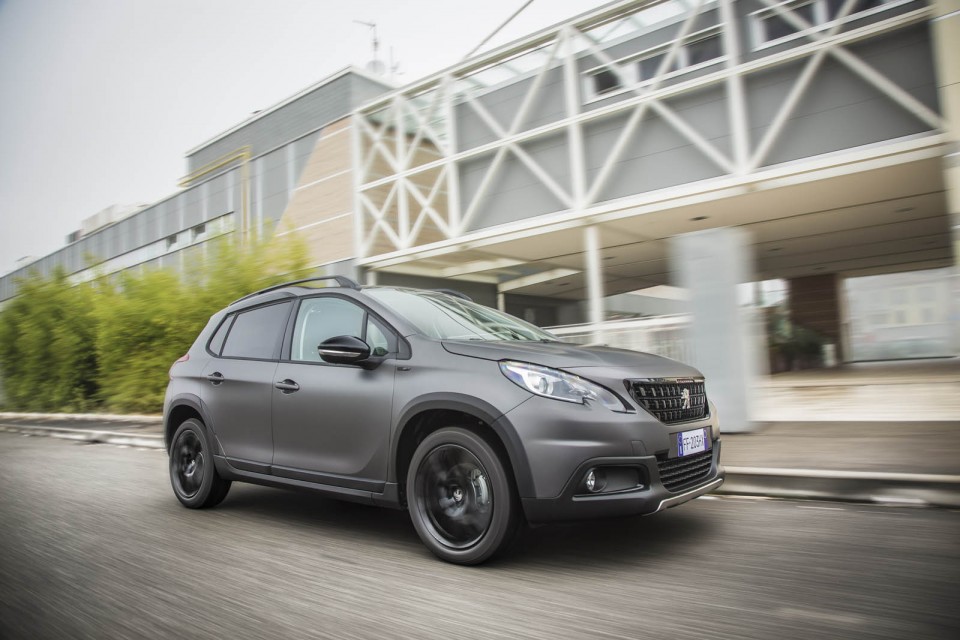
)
(390, 497)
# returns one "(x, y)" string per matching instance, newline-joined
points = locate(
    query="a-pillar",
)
(710, 265)
(946, 44)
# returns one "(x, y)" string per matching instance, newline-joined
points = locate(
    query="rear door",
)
(237, 384)
(331, 424)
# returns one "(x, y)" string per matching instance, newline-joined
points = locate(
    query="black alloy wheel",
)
(188, 459)
(461, 498)
(193, 475)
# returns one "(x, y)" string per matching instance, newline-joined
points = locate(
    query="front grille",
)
(676, 473)
(671, 401)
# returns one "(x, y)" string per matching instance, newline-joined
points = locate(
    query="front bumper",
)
(651, 497)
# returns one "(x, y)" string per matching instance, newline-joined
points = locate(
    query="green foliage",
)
(795, 345)
(47, 356)
(109, 344)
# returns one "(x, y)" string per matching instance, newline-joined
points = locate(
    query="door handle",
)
(216, 377)
(287, 386)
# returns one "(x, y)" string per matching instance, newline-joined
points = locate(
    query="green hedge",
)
(108, 344)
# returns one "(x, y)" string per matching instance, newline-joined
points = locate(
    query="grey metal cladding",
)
(273, 206)
(217, 197)
(364, 89)
(273, 168)
(192, 207)
(171, 217)
(307, 113)
(840, 110)
(520, 194)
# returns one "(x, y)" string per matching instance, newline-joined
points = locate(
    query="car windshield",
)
(439, 315)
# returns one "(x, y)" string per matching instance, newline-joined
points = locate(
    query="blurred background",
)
(769, 191)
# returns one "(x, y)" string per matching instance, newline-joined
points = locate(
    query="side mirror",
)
(343, 350)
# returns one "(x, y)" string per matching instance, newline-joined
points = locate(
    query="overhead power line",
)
(498, 29)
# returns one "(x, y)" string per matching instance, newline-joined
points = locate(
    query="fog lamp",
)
(594, 481)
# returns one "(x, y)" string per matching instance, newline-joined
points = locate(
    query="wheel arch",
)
(182, 408)
(435, 411)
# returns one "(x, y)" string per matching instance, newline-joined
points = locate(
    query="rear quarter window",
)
(216, 342)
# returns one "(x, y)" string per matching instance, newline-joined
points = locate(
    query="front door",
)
(331, 422)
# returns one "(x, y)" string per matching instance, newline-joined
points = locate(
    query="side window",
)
(320, 319)
(257, 333)
(216, 342)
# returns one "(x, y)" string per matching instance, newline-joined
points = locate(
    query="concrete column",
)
(710, 265)
(946, 43)
(591, 242)
(815, 305)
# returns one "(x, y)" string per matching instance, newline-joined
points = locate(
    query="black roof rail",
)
(455, 294)
(343, 281)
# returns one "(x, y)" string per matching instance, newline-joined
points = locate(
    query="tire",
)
(461, 497)
(193, 475)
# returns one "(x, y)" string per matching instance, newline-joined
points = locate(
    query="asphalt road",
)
(94, 545)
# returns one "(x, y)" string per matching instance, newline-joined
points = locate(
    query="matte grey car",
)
(469, 418)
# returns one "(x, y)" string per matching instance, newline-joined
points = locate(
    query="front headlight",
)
(558, 385)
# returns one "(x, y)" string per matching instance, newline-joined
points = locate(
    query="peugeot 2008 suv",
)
(423, 400)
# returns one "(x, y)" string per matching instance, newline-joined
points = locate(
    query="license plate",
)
(690, 442)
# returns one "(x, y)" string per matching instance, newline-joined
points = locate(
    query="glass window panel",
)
(320, 319)
(605, 82)
(257, 333)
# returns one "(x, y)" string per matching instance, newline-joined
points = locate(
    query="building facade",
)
(551, 176)
(285, 169)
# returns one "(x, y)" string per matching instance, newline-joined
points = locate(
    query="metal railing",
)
(662, 335)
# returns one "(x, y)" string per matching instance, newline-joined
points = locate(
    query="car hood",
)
(572, 357)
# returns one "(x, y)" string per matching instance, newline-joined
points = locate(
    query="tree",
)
(110, 343)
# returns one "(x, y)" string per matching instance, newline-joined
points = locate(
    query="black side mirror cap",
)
(344, 350)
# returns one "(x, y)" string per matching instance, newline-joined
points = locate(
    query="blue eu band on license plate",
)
(690, 442)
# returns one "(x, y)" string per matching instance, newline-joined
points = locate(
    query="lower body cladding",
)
(626, 487)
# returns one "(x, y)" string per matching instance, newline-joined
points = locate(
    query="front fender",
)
(481, 410)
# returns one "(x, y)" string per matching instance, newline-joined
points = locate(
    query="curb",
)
(100, 417)
(902, 489)
(916, 489)
(89, 436)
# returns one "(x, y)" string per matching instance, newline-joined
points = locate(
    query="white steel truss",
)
(406, 150)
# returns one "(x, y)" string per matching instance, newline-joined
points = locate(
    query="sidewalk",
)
(906, 391)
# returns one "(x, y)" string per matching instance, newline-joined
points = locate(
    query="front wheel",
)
(461, 497)
(193, 475)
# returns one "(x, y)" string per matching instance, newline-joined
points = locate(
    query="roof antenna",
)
(376, 65)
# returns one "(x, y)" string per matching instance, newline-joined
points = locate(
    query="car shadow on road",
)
(613, 541)
(591, 544)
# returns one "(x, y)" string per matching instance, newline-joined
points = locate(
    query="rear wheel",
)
(461, 497)
(193, 475)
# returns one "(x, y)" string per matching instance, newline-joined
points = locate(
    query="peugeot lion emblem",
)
(685, 399)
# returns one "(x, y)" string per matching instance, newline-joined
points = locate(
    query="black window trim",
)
(226, 320)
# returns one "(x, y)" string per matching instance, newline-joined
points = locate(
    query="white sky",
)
(100, 99)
